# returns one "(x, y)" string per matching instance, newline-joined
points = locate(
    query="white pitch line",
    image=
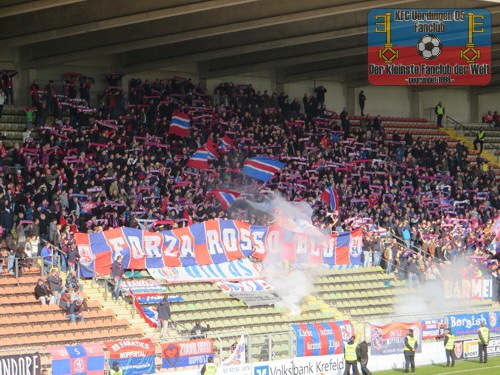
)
(469, 370)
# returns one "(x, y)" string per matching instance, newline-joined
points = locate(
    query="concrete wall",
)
(457, 102)
(385, 100)
(335, 97)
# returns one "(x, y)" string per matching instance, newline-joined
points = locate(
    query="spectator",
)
(480, 136)
(72, 282)
(362, 101)
(65, 301)
(440, 112)
(2, 101)
(43, 293)
(164, 316)
(117, 272)
(47, 257)
(198, 331)
(55, 285)
(75, 311)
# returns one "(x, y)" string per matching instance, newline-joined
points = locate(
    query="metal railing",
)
(494, 149)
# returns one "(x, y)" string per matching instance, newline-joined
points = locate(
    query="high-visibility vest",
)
(481, 134)
(485, 332)
(440, 110)
(411, 342)
(210, 369)
(113, 372)
(450, 345)
(350, 352)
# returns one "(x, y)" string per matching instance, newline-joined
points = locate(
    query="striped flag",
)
(200, 159)
(225, 197)
(179, 124)
(262, 168)
(226, 144)
(210, 148)
(331, 197)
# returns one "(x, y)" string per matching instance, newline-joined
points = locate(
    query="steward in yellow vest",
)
(209, 368)
(411, 345)
(351, 356)
(483, 335)
(449, 345)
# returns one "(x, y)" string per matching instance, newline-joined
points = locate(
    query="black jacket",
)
(164, 309)
(41, 291)
(363, 351)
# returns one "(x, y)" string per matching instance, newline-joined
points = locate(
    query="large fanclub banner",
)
(212, 242)
(432, 47)
(186, 353)
(468, 324)
(85, 359)
(134, 357)
(390, 338)
(322, 338)
(468, 288)
(20, 364)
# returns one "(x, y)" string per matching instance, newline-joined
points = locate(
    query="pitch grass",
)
(466, 367)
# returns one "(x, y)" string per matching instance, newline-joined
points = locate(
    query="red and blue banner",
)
(433, 328)
(212, 242)
(322, 338)
(85, 359)
(179, 124)
(186, 353)
(134, 357)
(431, 47)
(244, 286)
(262, 168)
(390, 338)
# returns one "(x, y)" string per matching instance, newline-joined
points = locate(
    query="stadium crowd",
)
(420, 201)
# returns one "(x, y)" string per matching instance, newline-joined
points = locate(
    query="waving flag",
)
(179, 124)
(226, 144)
(199, 159)
(237, 357)
(225, 197)
(210, 148)
(331, 197)
(85, 359)
(262, 168)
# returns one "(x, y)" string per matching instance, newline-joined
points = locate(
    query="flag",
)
(199, 159)
(210, 148)
(262, 168)
(179, 124)
(225, 197)
(187, 217)
(226, 144)
(237, 357)
(331, 197)
(85, 359)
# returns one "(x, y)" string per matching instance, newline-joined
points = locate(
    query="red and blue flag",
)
(225, 197)
(85, 359)
(200, 159)
(179, 124)
(226, 144)
(262, 168)
(331, 197)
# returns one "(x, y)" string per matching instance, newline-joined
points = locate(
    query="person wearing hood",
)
(164, 315)
(411, 345)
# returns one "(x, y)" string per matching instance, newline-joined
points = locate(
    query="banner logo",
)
(459, 347)
(431, 47)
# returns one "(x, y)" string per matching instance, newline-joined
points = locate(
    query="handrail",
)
(470, 133)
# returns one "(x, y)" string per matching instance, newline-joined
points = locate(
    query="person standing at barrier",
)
(209, 368)
(115, 370)
(164, 316)
(483, 334)
(363, 357)
(411, 345)
(439, 110)
(117, 272)
(480, 135)
(449, 345)
(351, 355)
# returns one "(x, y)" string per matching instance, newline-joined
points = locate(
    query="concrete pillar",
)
(350, 97)
(414, 97)
(474, 105)
(278, 83)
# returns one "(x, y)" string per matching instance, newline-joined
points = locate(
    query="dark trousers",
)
(483, 353)
(450, 355)
(481, 143)
(409, 360)
(1, 110)
(362, 107)
(348, 365)
(364, 368)
(440, 121)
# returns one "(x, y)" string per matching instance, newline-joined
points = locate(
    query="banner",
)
(238, 356)
(433, 328)
(262, 298)
(85, 359)
(186, 353)
(322, 338)
(467, 349)
(134, 357)
(244, 286)
(324, 365)
(212, 242)
(468, 324)
(143, 286)
(155, 298)
(20, 364)
(390, 338)
(468, 289)
(240, 269)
